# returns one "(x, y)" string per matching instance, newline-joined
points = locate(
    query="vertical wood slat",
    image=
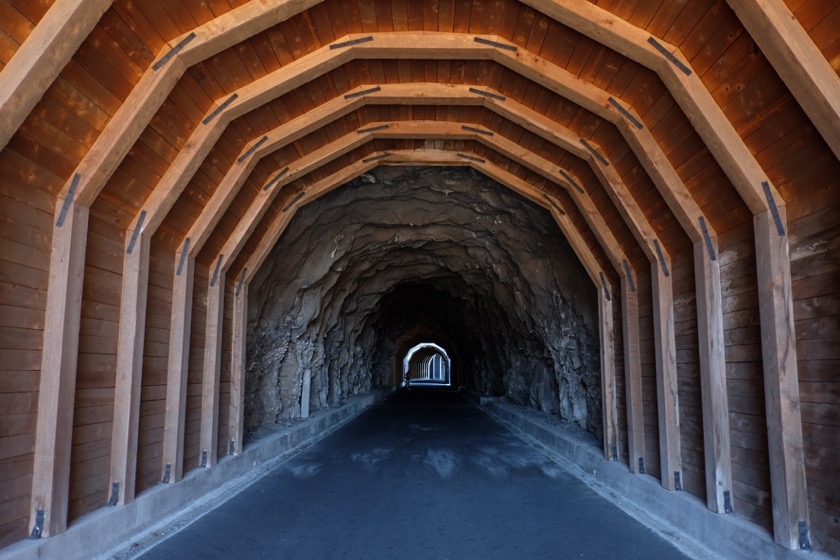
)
(608, 386)
(131, 339)
(53, 436)
(715, 400)
(28, 74)
(178, 365)
(237, 370)
(632, 377)
(212, 368)
(781, 383)
(667, 399)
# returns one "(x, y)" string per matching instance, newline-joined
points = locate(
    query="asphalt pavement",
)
(423, 475)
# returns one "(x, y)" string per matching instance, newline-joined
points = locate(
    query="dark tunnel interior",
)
(406, 255)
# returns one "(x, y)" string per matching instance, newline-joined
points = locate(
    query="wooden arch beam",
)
(31, 70)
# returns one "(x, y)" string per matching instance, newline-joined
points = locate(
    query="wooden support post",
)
(212, 367)
(632, 376)
(178, 365)
(718, 460)
(608, 393)
(781, 383)
(53, 436)
(236, 421)
(131, 337)
(667, 400)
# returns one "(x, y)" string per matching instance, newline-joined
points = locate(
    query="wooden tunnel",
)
(153, 151)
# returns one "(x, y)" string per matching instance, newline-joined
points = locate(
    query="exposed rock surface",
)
(444, 254)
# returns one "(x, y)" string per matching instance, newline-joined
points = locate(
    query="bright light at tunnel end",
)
(433, 369)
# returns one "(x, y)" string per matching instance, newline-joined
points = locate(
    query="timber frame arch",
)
(665, 182)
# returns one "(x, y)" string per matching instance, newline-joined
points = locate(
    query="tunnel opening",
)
(426, 364)
(404, 256)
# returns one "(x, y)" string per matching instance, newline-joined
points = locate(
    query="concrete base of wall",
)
(680, 516)
(110, 531)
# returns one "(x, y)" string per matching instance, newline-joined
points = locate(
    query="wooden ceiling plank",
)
(28, 74)
(805, 71)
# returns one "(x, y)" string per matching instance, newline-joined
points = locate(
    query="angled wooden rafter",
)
(28, 74)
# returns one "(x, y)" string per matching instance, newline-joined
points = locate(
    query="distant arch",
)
(427, 363)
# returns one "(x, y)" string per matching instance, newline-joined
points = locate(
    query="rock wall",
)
(443, 254)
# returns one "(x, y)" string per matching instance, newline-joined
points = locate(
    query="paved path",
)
(424, 475)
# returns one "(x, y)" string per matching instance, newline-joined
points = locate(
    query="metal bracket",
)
(661, 256)
(476, 130)
(115, 494)
(377, 158)
(670, 56)
(351, 42)
(572, 182)
(471, 158)
(294, 200)
(495, 96)
(136, 232)
(38, 529)
(373, 129)
(629, 272)
(505, 46)
(167, 473)
(219, 109)
(707, 238)
(641, 465)
(252, 149)
(276, 179)
(172, 52)
(804, 536)
(727, 502)
(203, 459)
(241, 281)
(554, 204)
(216, 271)
(66, 206)
(677, 481)
(627, 114)
(183, 258)
(604, 285)
(363, 92)
(595, 153)
(771, 201)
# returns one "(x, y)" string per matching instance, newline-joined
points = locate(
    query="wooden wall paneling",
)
(212, 364)
(798, 61)
(27, 75)
(50, 480)
(176, 383)
(132, 330)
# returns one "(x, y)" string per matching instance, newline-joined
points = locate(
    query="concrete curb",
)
(109, 531)
(680, 516)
